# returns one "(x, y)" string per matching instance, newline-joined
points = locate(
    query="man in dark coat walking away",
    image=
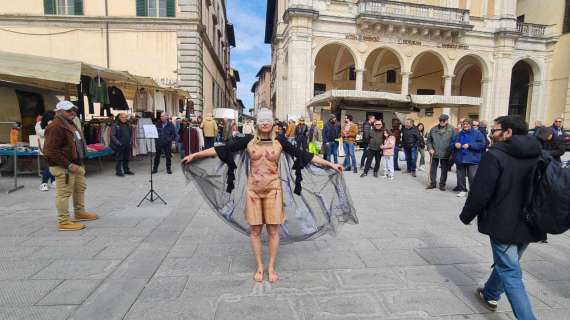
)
(497, 198)
(121, 144)
(166, 134)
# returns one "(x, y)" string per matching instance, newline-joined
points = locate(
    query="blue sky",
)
(250, 53)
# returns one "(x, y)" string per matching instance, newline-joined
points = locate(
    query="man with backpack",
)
(498, 199)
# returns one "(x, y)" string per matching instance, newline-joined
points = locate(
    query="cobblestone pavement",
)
(409, 258)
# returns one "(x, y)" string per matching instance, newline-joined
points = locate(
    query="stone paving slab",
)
(409, 258)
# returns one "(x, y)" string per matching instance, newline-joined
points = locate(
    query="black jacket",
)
(166, 134)
(411, 137)
(367, 129)
(499, 191)
(554, 147)
(120, 136)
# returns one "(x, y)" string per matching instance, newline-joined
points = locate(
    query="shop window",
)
(64, 7)
(352, 73)
(425, 92)
(391, 76)
(156, 8)
(566, 26)
(319, 88)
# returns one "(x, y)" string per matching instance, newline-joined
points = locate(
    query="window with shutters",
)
(156, 8)
(64, 7)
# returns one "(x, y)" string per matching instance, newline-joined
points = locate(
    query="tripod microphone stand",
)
(151, 195)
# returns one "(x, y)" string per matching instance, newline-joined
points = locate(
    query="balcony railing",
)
(394, 9)
(531, 29)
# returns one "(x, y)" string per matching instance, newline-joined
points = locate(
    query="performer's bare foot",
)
(273, 276)
(258, 277)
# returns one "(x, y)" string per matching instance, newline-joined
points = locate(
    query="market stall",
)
(39, 80)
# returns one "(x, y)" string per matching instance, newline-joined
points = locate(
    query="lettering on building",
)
(409, 42)
(454, 46)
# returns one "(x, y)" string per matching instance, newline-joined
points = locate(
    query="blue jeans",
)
(507, 277)
(47, 176)
(396, 159)
(349, 155)
(411, 158)
(331, 149)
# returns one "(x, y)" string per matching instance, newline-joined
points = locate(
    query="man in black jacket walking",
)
(121, 144)
(497, 199)
(166, 135)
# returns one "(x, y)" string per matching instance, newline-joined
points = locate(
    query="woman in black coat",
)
(550, 143)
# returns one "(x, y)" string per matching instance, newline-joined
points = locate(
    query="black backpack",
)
(548, 206)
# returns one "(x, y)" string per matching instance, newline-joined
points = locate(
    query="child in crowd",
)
(388, 154)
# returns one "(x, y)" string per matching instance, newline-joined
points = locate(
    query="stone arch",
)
(378, 62)
(389, 49)
(427, 72)
(334, 67)
(346, 45)
(484, 64)
(524, 98)
(416, 58)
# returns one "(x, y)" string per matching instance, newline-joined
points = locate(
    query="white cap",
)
(64, 105)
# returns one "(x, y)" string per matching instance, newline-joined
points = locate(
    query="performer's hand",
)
(188, 159)
(337, 167)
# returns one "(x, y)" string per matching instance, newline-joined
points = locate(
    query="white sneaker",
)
(53, 184)
(390, 178)
(44, 187)
(461, 194)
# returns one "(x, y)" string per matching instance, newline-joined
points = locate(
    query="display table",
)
(98, 155)
(28, 152)
(15, 153)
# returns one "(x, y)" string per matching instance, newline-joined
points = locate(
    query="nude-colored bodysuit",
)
(264, 203)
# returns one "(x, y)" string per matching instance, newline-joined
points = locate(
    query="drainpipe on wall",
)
(107, 32)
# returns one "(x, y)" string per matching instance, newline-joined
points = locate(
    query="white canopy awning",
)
(63, 75)
(391, 100)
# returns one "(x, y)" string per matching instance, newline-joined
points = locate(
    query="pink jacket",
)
(388, 146)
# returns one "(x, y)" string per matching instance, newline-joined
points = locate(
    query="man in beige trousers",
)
(65, 150)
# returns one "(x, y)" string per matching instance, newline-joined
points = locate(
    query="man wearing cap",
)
(65, 151)
(438, 145)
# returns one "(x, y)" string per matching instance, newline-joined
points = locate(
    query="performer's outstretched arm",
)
(326, 164)
(202, 154)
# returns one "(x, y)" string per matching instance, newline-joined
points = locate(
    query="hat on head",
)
(444, 117)
(65, 105)
(264, 115)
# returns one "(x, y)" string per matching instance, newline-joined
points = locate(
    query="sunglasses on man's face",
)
(496, 130)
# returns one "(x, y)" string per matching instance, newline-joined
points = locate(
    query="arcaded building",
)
(468, 58)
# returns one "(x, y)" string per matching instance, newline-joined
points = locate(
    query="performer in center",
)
(264, 194)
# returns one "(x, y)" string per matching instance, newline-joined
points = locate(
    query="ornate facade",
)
(467, 58)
